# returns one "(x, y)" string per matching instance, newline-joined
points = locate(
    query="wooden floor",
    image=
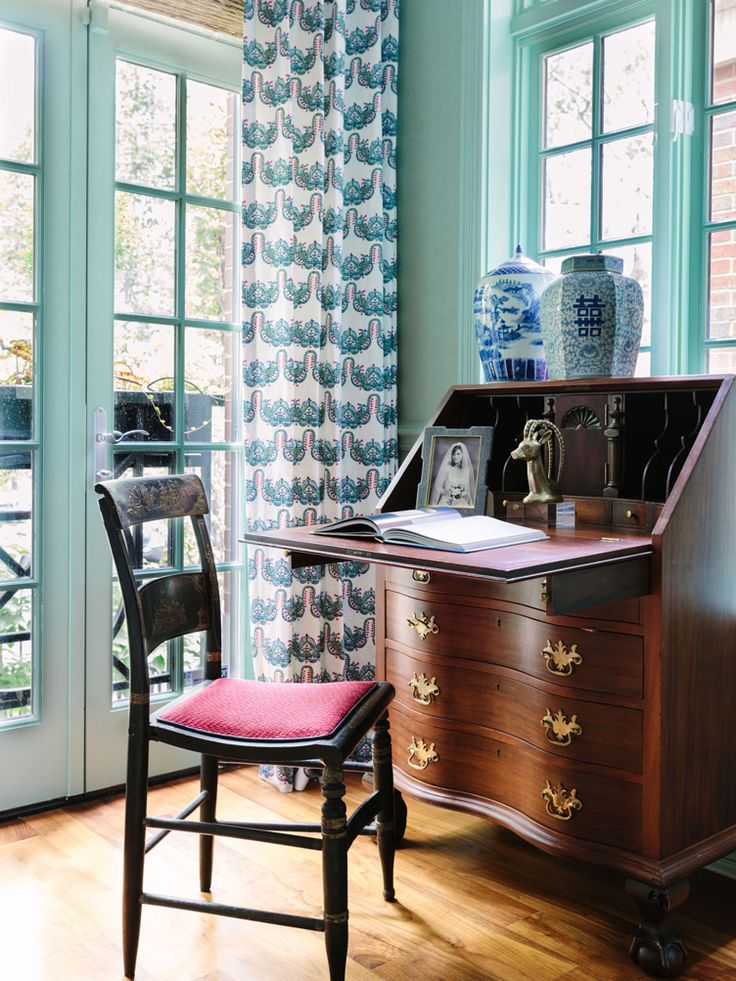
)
(474, 902)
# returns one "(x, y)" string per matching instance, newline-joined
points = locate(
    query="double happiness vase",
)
(591, 319)
(506, 313)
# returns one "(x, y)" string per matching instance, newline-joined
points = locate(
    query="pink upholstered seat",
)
(239, 709)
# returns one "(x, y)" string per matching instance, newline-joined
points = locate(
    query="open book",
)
(440, 528)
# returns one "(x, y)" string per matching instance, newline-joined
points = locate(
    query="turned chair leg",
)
(383, 782)
(335, 871)
(207, 810)
(136, 791)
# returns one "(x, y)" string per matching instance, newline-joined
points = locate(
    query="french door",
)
(119, 355)
(164, 367)
(42, 262)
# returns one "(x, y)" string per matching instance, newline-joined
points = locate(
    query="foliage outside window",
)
(624, 109)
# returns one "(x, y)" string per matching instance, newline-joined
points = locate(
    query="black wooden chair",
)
(314, 725)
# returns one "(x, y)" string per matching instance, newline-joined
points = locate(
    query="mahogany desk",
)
(580, 691)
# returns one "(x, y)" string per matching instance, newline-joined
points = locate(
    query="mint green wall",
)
(442, 208)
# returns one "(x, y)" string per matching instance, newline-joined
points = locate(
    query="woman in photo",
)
(455, 480)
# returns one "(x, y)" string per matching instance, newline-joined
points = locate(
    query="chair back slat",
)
(173, 606)
(141, 499)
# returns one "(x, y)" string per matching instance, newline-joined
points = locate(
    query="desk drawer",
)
(570, 727)
(531, 592)
(603, 809)
(575, 657)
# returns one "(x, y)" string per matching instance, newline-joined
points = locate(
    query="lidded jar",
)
(591, 319)
(506, 316)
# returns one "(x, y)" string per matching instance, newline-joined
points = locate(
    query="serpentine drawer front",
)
(532, 593)
(573, 799)
(575, 657)
(566, 724)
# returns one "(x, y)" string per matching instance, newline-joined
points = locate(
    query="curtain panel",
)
(319, 315)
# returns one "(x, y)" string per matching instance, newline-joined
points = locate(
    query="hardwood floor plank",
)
(475, 903)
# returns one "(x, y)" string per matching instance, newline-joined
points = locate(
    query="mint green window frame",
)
(680, 226)
(33, 446)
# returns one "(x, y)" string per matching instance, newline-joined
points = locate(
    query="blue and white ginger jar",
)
(506, 313)
(591, 319)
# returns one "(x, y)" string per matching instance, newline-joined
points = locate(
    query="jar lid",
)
(593, 262)
(518, 263)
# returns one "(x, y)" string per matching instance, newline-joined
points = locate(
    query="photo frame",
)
(454, 468)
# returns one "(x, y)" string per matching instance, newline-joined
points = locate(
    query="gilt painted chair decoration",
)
(239, 721)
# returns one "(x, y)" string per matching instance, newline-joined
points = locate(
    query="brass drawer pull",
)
(423, 689)
(559, 730)
(423, 625)
(418, 575)
(422, 753)
(559, 659)
(560, 803)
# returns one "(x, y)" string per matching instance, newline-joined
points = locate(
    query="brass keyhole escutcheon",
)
(419, 575)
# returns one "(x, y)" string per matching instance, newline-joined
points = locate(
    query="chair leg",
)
(208, 782)
(335, 871)
(383, 782)
(136, 792)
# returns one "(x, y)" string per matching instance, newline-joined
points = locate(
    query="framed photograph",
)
(454, 466)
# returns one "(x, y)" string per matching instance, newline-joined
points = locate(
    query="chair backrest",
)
(173, 604)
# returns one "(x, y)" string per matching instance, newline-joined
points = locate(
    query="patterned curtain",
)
(319, 301)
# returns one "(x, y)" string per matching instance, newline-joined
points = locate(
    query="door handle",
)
(104, 438)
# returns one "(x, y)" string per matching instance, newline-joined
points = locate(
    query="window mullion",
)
(595, 154)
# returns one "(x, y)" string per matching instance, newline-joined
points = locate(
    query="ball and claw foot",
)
(662, 956)
(657, 947)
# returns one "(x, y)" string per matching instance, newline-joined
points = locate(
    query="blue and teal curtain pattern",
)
(319, 301)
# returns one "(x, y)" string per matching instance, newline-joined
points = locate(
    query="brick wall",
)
(722, 282)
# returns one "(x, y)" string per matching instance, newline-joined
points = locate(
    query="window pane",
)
(16, 375)
(626, 187)
(628, 78)
(217, 471)
(722, 284)
(723, 167)
(568, 96)
(209, 362)
(144, 254)
(159, 662)
(210, 130)
(567, 199)
(16, 654)
(16, 236)
(209, 264)
(145, 126)
(144, 380)
(643, 365)
(153, 543)
(16, 516)
(722, 360)
(638, 264)
(194, 644)
(723, 77)
(17, 96)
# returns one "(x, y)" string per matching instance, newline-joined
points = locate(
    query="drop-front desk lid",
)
(590, 565)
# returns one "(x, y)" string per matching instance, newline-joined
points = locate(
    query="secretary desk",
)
(581, 690)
